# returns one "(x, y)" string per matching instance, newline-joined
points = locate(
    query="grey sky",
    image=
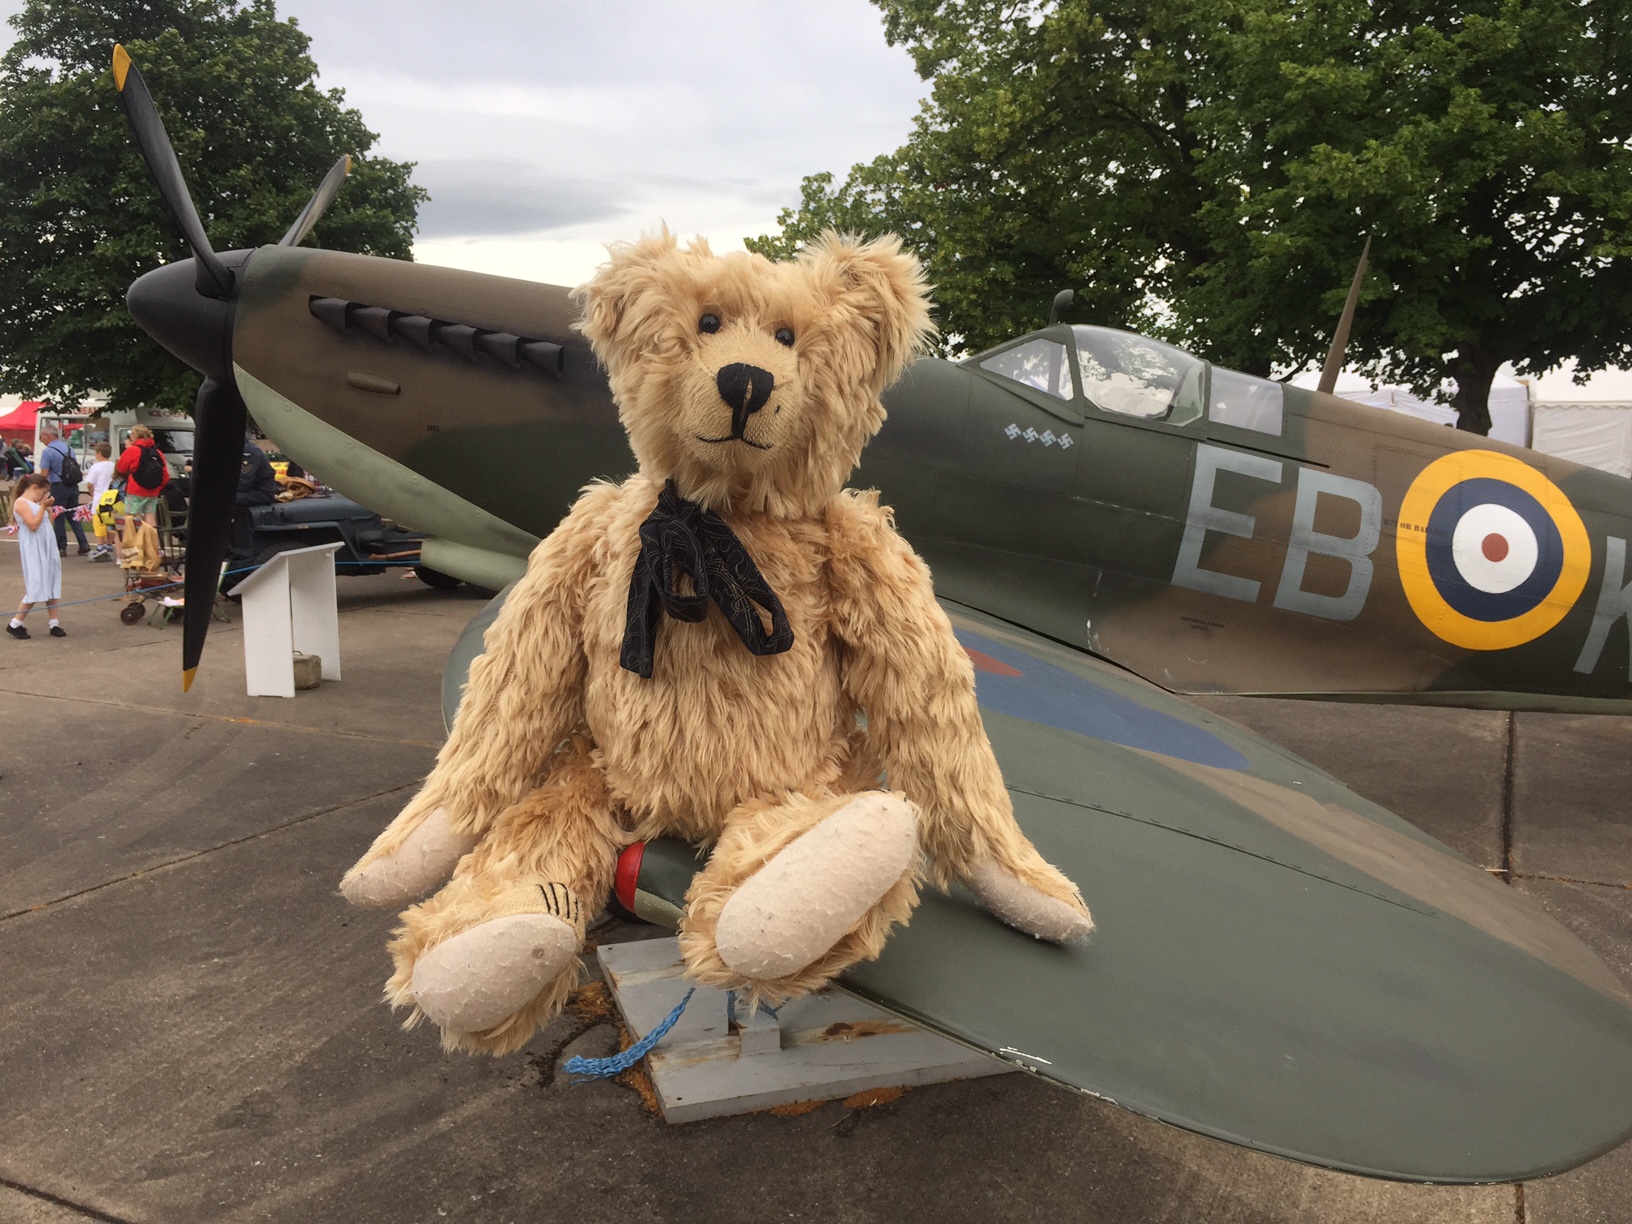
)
(546, 129)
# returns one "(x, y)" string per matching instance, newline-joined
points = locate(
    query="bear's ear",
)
(884, 285)
(619, 300)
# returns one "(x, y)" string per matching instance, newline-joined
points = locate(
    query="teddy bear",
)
(729, 647)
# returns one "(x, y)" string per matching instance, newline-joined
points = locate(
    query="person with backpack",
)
(145, 472)
(100, 478)
(62, 469)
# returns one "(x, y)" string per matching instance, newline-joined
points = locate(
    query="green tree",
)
(1209, 170)
(79, 215)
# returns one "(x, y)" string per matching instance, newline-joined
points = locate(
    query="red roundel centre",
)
(1494, 547)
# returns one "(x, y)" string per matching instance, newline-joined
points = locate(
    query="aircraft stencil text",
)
(1204, 516)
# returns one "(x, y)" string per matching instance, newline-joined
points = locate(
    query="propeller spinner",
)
(192, 318)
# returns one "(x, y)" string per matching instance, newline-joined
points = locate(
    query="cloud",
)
(487, 197)
(547, 127)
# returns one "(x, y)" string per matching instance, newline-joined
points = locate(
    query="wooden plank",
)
(816, 1048)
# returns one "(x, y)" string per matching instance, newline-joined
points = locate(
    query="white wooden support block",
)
(817, 1048)
(314, 606)
(269, 644)
(290, 604)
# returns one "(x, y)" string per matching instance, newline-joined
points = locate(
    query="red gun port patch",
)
(993, 667)
(1014, 682)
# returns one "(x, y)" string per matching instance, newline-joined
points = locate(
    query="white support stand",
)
(817, 1048)
(290, 604)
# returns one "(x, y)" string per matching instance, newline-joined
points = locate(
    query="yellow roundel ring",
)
(1490, 552)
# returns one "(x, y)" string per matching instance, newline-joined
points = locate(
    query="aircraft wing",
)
(1277, 962)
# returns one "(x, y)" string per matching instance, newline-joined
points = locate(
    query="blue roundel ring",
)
(1448, 580)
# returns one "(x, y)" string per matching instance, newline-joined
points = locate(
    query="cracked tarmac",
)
(191, 1026)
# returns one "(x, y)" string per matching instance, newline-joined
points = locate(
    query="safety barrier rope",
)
(167, 586)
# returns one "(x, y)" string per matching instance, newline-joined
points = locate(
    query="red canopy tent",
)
(18, 424)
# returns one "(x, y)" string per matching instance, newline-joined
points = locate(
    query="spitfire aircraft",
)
(1110, 522)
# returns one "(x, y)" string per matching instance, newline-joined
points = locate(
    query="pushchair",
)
(146, 574)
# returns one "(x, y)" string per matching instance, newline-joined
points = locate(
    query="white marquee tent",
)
(1598, 435)
(1509, 403)
(1587, 423)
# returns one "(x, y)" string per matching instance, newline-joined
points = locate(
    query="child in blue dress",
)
(42, 566)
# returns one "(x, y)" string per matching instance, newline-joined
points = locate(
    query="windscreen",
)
(1040, 364)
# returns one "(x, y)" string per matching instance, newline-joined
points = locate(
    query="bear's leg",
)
(797, 892)
(493, 955)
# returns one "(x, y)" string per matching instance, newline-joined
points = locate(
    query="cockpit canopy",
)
(1134, 376)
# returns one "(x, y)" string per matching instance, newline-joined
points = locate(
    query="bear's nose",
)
(746, 388)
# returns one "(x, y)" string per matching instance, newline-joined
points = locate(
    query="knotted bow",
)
(679, 535)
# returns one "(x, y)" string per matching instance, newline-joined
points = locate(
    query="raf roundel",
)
(1491, 552)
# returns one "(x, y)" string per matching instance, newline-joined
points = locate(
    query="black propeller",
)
(213, 278)
(321, 198)
(195, 323)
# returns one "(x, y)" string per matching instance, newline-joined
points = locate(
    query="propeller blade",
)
(218, 447)
(214, 278)
(321, 199)
(1340, 338)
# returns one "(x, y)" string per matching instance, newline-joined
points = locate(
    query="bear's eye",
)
(784, 335)
(709, 323)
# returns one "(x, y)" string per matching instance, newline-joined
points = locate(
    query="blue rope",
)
(606, 1068)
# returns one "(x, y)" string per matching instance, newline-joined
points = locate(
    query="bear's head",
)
(752, 384)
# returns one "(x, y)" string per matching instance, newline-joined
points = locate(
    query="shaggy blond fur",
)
(558, 756)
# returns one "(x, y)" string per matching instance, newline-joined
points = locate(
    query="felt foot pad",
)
(817, 888)
(484, 975)
(423, 861)
(1024, 908)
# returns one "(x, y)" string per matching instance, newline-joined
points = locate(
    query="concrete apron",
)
(191, 1026)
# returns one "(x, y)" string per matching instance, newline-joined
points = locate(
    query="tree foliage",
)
(1207, 170)
(80, 217)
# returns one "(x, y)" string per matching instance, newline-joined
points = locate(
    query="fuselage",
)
(1212, 532)
(1245, 536)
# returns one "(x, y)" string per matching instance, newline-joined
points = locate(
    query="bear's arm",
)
(915, 682)
(525, 692)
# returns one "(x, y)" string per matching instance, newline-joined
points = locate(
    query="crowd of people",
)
(44, 505)
(124, 494)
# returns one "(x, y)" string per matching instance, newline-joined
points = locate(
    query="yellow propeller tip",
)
(187, 678)
(121, 67)
(348, 163)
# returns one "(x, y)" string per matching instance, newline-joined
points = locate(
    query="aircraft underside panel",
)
(377, 481)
